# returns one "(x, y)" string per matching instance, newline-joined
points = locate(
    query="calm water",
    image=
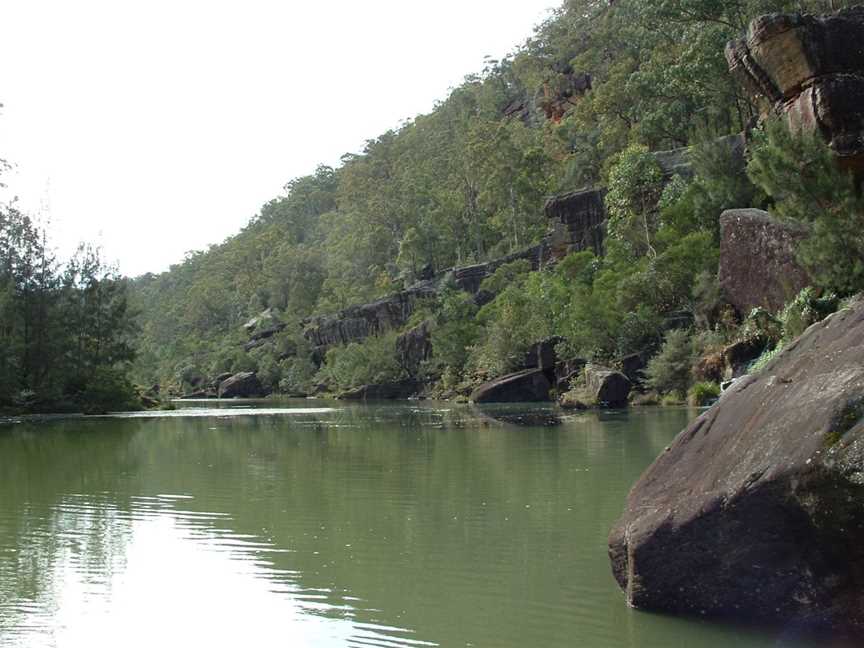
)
(353, 526)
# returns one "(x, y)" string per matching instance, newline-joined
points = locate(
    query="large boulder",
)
(810, 69)
(756, 510)
(241, 385)
(758, 266)
(606, 387)
(529, 386)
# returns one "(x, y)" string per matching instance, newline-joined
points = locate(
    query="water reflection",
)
(397, 525)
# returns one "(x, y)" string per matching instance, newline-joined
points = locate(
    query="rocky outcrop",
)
(756, 511)
(578, 222)
(542, 355)
(384, 391)
(677, 161)
(469, 278)
(607, 387)
(356, 323)
(597, 387)
(561, 94)
(414, 347)
(529, 386)
(810, 69)
(758, 266)
(241, 385)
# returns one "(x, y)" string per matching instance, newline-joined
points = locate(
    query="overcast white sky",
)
(156, 127)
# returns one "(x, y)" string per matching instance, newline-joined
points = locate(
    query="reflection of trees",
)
(59, 505)
(428, 516)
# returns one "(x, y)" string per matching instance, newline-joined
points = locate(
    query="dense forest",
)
(585, 102)
(66, 330)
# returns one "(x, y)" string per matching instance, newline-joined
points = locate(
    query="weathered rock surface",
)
(578, 222)
(529, 386)
(542, 355)
(469, 278)
(356, 323)
(414, 347)
(758, 266)
(385, 391)
(241, 385)
(756, 511)
(606, 387)
(810, 69)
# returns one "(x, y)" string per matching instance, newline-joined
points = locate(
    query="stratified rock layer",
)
(810, 69)
(756, 511)
(758, 265)
(578, 222)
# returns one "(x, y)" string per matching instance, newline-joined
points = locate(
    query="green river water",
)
(315, 524)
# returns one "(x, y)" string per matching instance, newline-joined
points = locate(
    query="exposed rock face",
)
(527, 386)
(541, 355)
(606, 387)
(677, 161)
(413, 347)
(578, 222)
(356, 323)
(810, 69)
(469, 278)
(758, 267)
(756, 511)
(385, 391)
(558, 97)
(241, 385)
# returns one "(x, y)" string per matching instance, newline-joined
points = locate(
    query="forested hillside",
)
(584, 103)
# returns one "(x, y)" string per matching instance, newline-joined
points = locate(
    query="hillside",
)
(590, 101)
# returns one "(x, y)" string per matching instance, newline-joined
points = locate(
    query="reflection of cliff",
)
(433, 522)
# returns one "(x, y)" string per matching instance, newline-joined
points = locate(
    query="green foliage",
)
(635, 186)
(669, 370)
(805, 310)
(802, 176)
(369, 363)
(762, 326)
(65, 331)
(455, 331)
(505, 275)
(703, 393)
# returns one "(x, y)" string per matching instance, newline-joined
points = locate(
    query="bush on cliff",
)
(801, 174)
(370, 363)
(669, 372)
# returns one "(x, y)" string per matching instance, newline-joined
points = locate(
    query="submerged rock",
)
(756, 511)
(529, 386)
(758, 266)
(241, 385)
(385, 391)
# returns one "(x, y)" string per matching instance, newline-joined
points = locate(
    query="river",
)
(308, 523)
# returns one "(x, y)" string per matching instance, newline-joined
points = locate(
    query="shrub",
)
(669, 371)
(371, 362)
(800, 172)
(703, 393)
(805, 310)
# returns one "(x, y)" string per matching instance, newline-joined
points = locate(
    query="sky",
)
(154, 127)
